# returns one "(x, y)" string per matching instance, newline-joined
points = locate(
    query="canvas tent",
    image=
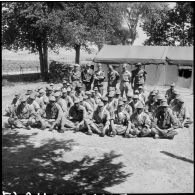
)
(161, 62)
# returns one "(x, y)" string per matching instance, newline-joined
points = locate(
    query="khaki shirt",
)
(141, 120)
(126, 76)
(120, 118)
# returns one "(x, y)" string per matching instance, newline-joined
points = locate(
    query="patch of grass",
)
(5, 82)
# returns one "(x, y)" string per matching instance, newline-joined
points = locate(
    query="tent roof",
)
(131, 54)
(180, 55)
(117, 54)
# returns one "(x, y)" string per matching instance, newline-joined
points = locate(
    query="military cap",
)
(57, 88)
(159, 97)
(118, 92)
(49, 88)
(95, 89)
(140, 87)
(85, 97)
(120, 103)
(164, 104)
(99, 64)
(88, 64)
(87, 93)
(69, 89)
(41, 91)
(51, 84)
(57, 94)
(135, 97)
(153, 93)
(139, 64)
(105, 99)
(129, 94)
(124, 65)
(76, 65)
(172, 84)
(64, 82)
(140, 106)
(79, 85)
(124, 99)
(77, 100)
(64, 91)
(32, 96)
(92, 91)
(23, 99)
(180, 99)
(52, 99)
(111, 94)
(136, 92)
(100, 104)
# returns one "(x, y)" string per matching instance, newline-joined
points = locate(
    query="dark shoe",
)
(60, 131)
(28, 128)
(102, 134)
(89, 133)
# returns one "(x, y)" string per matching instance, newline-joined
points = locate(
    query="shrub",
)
(59, 71)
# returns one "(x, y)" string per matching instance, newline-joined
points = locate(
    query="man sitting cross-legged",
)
(120, 121)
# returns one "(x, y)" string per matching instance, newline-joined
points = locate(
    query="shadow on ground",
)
(27, 168)
(177, 157)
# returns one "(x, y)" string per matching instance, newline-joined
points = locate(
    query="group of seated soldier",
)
(61, 107)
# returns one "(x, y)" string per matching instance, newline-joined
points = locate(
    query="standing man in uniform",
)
(99, 77)
(125, 80)
(138, 77)
(75, 77)
(87, 77)
(169, 92)
(113, 77)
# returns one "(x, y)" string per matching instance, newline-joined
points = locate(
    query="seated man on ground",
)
(182, 113)
(21, 117)
(101, 120)
(120, 121)
(14, 104)
(166, 123)
(140, 123)
(54, 116)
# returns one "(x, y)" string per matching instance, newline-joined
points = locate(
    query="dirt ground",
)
(43, 161)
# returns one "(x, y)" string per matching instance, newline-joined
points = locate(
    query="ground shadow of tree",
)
(30, 169)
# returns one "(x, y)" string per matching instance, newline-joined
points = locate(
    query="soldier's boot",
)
(113, 133)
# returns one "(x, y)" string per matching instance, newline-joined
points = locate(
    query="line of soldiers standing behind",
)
(68, 106)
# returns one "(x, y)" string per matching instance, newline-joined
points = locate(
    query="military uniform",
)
(54, 116)
(121, 120)
(138, 78)
(100, 121)
(165, 120)
(87, 78)
(76, 78)
(20, 116)
(140, 122)
(182, 113)
(125, 82)
(113, 78)
(99, 77)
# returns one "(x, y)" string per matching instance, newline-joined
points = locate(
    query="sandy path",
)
(74, 162)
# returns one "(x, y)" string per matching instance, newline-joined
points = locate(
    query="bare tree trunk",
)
(45, 61)
(77, 57)
(43, 56)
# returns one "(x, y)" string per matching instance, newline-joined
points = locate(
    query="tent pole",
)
(165, 71)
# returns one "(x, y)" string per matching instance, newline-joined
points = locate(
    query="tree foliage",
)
(134, 13)
(175, 27)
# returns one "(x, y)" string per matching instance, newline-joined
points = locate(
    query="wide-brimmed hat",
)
(164, 104)
(77, 100)
(140, 106)
(52, 99)
(100, 104)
